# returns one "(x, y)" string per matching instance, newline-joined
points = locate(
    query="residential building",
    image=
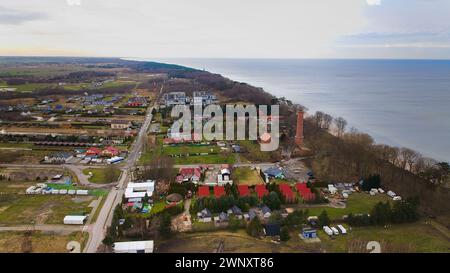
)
(120, 124)
(175, 98)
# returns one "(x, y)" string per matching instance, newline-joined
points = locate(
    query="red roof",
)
(304, 191)
(243, 190)
(111, 150)
(93, 151)
(261, 190)
(286, 191)
(189, 172)
(203, 191)
(219, 191)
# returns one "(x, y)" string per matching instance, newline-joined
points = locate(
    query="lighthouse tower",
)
(299, 131)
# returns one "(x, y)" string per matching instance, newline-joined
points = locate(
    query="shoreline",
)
(379, 138)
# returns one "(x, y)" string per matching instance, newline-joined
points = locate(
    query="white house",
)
(137, 191)
(224, 177)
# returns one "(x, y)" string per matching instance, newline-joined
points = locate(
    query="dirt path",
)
(442, 229)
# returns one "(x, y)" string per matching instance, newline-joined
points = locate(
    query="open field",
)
(100, 175)
(219, 158)
(233, 242)
(20, 178)
(356, 203)
(206, 159)
(63, 131)
(38, 242)
(16, 209)
(246, 176)
(190, 149)
(416, 237)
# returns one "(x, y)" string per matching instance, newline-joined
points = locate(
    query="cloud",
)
(17, 17)
(373, 2)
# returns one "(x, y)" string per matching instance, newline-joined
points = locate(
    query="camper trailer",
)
(342, 229)
(335, 231)
(328, 230)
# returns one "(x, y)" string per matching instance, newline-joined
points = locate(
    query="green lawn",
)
(27, 87)
(246, 176)
(158, 207)
(357, 203)
(99, 176)
(207, 159)
(415, 237)
(190, 149)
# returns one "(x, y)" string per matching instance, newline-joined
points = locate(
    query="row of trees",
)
(224, 203)
(354, 155)
(404, 158)
(385, 213)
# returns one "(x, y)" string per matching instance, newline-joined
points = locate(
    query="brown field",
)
(38, 242)
(62, 131)
(238, 242)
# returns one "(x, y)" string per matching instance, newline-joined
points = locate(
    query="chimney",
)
(299, 132)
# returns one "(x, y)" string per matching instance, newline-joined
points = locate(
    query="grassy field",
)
(29, 87)
(357, 203)
(190, 149)
(416, 237)
(254, 152)
(201, 159)
(39, 242)
(99, 176)
(42, 209)
(207, 159)
(246, 176)
(234, 242)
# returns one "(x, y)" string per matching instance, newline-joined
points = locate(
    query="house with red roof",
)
(243, 190)
(304, 191)
(110, 151)
(261, 190)
(93, 151)
(287, 192)
(219, 191)
(189, 175)
(203, 191)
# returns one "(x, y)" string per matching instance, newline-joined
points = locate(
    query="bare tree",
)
(340, 123)
(318, 118)
(408, 157)
(327, 120)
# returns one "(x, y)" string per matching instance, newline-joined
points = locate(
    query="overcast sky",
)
(227, 28)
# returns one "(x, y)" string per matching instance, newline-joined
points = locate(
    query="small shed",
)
(272, 230)
(74, 219)
(309, 233)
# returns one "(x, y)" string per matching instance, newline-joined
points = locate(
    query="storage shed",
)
(133, 247)
(74, 219)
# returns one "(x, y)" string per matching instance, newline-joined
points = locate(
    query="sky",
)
(415, 29)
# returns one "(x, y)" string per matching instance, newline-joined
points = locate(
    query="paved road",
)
(97, 231)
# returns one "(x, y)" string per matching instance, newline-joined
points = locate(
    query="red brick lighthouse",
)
(299, 132)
